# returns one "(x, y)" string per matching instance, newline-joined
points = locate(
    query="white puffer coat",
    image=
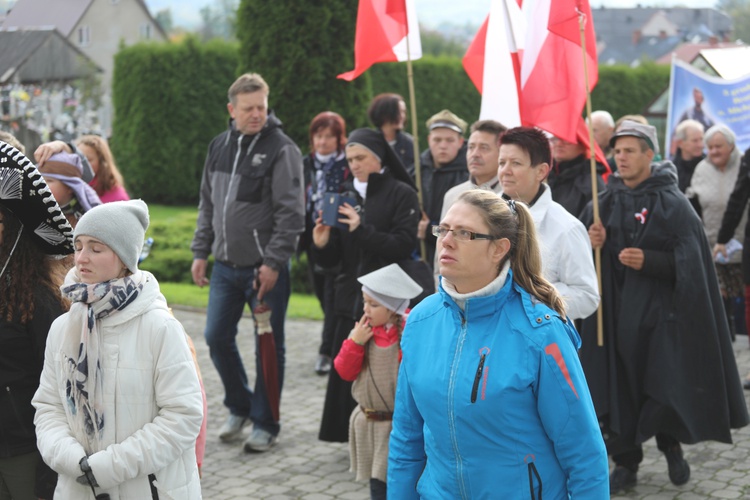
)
(152, 407)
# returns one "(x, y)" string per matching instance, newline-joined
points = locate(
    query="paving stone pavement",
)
(301, 467)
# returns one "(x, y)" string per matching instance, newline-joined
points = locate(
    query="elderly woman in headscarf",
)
(712, 183)
(382, 229)
(63, 173)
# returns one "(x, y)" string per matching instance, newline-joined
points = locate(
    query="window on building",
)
(84, 36)
(146, 31)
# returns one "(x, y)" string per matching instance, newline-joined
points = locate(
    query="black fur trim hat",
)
(24, 192)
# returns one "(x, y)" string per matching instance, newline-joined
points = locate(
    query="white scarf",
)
(491, 288)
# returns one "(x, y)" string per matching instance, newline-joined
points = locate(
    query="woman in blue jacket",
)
(491, 399)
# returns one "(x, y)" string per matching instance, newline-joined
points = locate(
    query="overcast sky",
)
(431, 12)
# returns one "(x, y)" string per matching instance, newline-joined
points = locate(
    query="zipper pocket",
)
(532, 474)
(16, 412)
(478, 376)
(257, 243)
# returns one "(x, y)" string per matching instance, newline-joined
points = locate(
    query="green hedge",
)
(170, 100)
(439, 83)
(623, 90)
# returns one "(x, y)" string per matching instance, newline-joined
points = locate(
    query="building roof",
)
(727, 62)
(39, 55)
(64, 15)
(625, 36)
(689, 51)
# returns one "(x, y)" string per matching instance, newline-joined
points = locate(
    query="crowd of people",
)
(99, 374)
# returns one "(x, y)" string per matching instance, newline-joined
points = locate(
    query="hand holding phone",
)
(331, 204)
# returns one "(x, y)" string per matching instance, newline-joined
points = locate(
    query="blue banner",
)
(710, 100)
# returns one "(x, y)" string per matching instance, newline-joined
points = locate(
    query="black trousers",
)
(633, 457)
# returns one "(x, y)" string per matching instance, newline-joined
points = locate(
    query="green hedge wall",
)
(623, 90)
(439, 83)
(170, 100)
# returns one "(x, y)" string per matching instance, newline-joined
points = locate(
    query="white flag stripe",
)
(415, 42)
(537, 14)
(505, 34)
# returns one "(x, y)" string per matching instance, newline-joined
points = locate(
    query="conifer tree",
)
(299, 47)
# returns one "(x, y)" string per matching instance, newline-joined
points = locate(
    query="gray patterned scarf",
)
(82, 370)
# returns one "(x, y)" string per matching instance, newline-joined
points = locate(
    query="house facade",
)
(95, 27)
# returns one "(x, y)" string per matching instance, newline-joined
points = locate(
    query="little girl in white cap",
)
(119, 404)
(370, 357)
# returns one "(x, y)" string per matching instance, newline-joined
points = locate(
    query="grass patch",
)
(300, 306)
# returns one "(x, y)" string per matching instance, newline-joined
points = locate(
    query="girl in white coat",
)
(119, 404)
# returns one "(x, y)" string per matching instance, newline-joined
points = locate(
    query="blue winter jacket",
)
(492, 403)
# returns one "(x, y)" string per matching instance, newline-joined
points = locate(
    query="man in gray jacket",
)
(250, 214)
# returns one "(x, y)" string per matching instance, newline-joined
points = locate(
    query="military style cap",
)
(635, 129)
(446, 119)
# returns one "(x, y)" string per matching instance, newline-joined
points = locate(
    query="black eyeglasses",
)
(460, 234)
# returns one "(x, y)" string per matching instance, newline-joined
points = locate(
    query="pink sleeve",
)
(200, 443)
(348, 362)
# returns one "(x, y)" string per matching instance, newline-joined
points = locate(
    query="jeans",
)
(229, 291)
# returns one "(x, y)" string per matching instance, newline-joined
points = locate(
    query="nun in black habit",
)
(381, 230)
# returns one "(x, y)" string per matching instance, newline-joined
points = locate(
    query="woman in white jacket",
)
(524, 163)
(119, 404)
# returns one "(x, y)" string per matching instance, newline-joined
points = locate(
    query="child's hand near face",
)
(362, 331)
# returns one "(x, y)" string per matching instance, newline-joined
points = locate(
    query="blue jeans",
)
(230, 290)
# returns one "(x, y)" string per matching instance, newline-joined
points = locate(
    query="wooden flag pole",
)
(594, 187)
(414, 130)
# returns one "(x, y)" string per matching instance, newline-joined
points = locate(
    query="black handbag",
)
(419, 271)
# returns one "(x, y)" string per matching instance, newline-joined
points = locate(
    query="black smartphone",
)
(331, 204)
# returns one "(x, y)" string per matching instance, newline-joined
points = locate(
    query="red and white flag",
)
(526, 61)
(552, 73)
(493, 62)
(382, 30)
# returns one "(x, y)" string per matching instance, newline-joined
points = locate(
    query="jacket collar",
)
(541, 205)
(484, 306)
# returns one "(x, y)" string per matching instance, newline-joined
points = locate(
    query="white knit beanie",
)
(121, 225)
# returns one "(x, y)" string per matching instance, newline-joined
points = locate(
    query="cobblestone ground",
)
(301, 467)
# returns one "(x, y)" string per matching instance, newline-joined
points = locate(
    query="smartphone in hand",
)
(331, 204)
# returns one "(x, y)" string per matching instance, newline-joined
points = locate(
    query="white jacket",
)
(152, 407)
(567, 259)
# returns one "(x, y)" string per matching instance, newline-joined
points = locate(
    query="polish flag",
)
(552, 74)
(493, 62)
(527, 63)
(382, 30)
